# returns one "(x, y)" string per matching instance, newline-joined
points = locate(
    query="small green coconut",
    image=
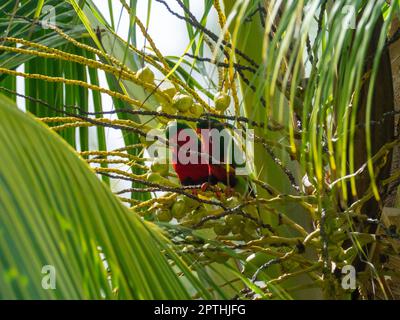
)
(160, 167)
(163, 215)
(249, 230)
(252, 211)
(232, 202)
(233, 220)
(153, 177)
(179, 209)
(222, 101)
(165, 109)
(196, 110)
(145, 74)
(182, 102)
(191, 203)
(221, 229)
(170, 92)
(195, 216)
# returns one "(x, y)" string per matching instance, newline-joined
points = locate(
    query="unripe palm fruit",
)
(238, 228)
(182, 102)
(154, 177)
(252, 211)
(191, 203)
(170, 92)
(232, 202)
(166, 109)
(246, 237)
(211, 207)
(233, 220)
(222, 101)
(179, 209)
(250, 227)
(159, 167)
(196, 110)
(163, 215)
(195, 216)
(145, 74)
(221, 229)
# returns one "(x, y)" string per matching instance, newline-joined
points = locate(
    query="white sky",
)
(168, 32)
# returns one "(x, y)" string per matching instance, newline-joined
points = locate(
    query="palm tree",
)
(313, 81)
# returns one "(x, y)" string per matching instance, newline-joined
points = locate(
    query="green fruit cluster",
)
(188, 212)
(180, 104)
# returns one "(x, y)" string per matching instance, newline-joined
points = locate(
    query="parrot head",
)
(189, 173)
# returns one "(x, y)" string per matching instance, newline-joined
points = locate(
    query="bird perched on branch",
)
(187, 160)
(215, 143)
(219, 144)
(206, 156)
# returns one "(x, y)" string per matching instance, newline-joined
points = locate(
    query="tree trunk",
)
(382, 132)
(387, 262)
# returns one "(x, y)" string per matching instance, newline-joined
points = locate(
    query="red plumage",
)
(188, 173)
(218, 171)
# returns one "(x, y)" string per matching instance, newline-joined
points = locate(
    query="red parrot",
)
(186, 154)
(224, 168)
(218, 169)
